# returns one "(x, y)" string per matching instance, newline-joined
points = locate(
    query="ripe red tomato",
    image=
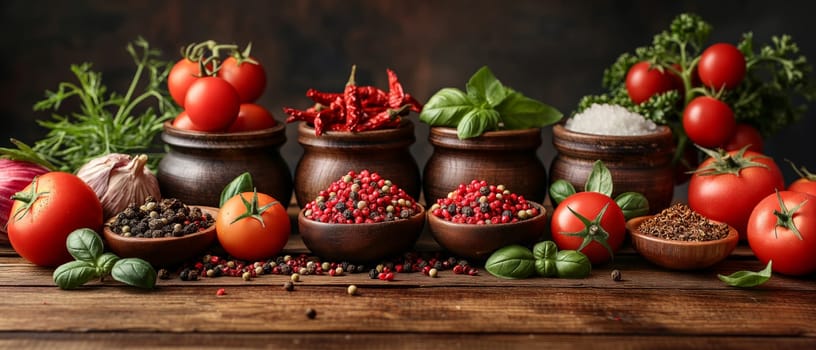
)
(182, 121)
(611, 227)
(745, 135)
(250, 237)
(212, 104)
(644, 81)
(792, 252)
(252, 117)
(183, 73)
(721, 65)
(730, 197)
(708, 121)
(249, 79)
(803, 185)
(46, 211)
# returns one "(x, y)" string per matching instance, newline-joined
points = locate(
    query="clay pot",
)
(637, 163)
(505, 157)
(333, 154)
(198, 165)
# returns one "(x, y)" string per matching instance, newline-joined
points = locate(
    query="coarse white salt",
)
(606, 119)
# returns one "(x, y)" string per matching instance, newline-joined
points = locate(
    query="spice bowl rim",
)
(489, 236)
(116, 241)
(327, 236)
(730, 242)
(562, 126)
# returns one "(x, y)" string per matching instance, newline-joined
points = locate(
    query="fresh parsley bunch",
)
(486, 105)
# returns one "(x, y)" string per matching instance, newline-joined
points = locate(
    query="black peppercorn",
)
(311, 313)
(616, 275)
(288, 286)
(163, 274)
(373, 274)
(185, 275)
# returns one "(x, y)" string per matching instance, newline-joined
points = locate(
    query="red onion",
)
(14, 177)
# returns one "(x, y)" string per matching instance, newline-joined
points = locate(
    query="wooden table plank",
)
(344, 340)
(539, 310)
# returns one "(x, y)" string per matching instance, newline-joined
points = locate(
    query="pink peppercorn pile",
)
(363, 197)
(481, 203)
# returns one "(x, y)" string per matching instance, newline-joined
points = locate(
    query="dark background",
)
(554, 51)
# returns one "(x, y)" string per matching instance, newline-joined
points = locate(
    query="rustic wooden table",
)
(650, 308)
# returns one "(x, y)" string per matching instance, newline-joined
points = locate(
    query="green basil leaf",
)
(520, 112)
(560, 190)
(446, 108)
(572, 264)
(476, 122)
(748, 279)
(633, 204)
(545, 250)
(84, 244)
(484, 87)
(135, 272)
(74, 274)
(242, 183)
(600, 179)
(105, 263)
(513, 261)
(546, 267)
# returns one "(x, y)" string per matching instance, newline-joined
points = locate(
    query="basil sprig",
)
(86, 247)
(240, 184)
(600, 180)
(487, 105)
(516, 262)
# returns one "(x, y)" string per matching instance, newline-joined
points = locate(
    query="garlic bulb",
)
(119, 181)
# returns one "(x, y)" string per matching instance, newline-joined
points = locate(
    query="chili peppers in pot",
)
(357, 108)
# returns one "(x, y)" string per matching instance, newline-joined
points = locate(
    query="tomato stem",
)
(593, 231)
(28, 198)
(784, 217)
(252, 209)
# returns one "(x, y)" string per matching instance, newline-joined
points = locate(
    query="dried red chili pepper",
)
(372, 96)
(386, 117)
(295, 115)
(324, 98)
(352, 101)
(415, 105)
(396, 94)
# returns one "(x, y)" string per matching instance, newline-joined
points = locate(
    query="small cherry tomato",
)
(212, 104)
(644, 81)
(708, 122)
(721, 65)
(248, 78)
(252, 226)
(183, 73)
(182, 121)
(252, 117)
(745, 135)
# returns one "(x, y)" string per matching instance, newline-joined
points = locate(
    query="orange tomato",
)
(252, 226)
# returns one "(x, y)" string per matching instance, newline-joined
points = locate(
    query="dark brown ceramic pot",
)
(505, 157)
(637, 163)
(198, 165)
(333, 154)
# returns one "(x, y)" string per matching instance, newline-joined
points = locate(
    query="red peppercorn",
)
(220, 292)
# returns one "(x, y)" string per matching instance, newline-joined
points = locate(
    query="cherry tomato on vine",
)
(726, 187)
(252, 226)
(745, 135)
(721, 65)
(806, 183)
(183, 73)
(644, 81)
(182, 121)
(46, 212)
(252, 117)
(782, 228)
(212, 104)
(248, 78)
(708, 121)
(589, 218)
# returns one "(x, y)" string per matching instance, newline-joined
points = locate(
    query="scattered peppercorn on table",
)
(625, 304)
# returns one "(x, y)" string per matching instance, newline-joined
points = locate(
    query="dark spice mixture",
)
(166, 218)
(680, 223)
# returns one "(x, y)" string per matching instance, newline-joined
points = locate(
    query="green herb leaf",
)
(476, 122)
(446, 108)
(560, 190)
(513, 261)
(105, 263)
(520, 112)
(572, 264)
(74, 274)
(242, 183)
(84, 244)
(747, 279)
(484, 87)
(135, 272)
(600, 179)
(545, 254)
(633, 204)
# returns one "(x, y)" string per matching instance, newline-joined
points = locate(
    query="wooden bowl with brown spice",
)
(678, 242)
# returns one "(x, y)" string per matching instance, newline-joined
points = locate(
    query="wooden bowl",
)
(360, 243)
(477, 242)
(680, 255)
(165, 251)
